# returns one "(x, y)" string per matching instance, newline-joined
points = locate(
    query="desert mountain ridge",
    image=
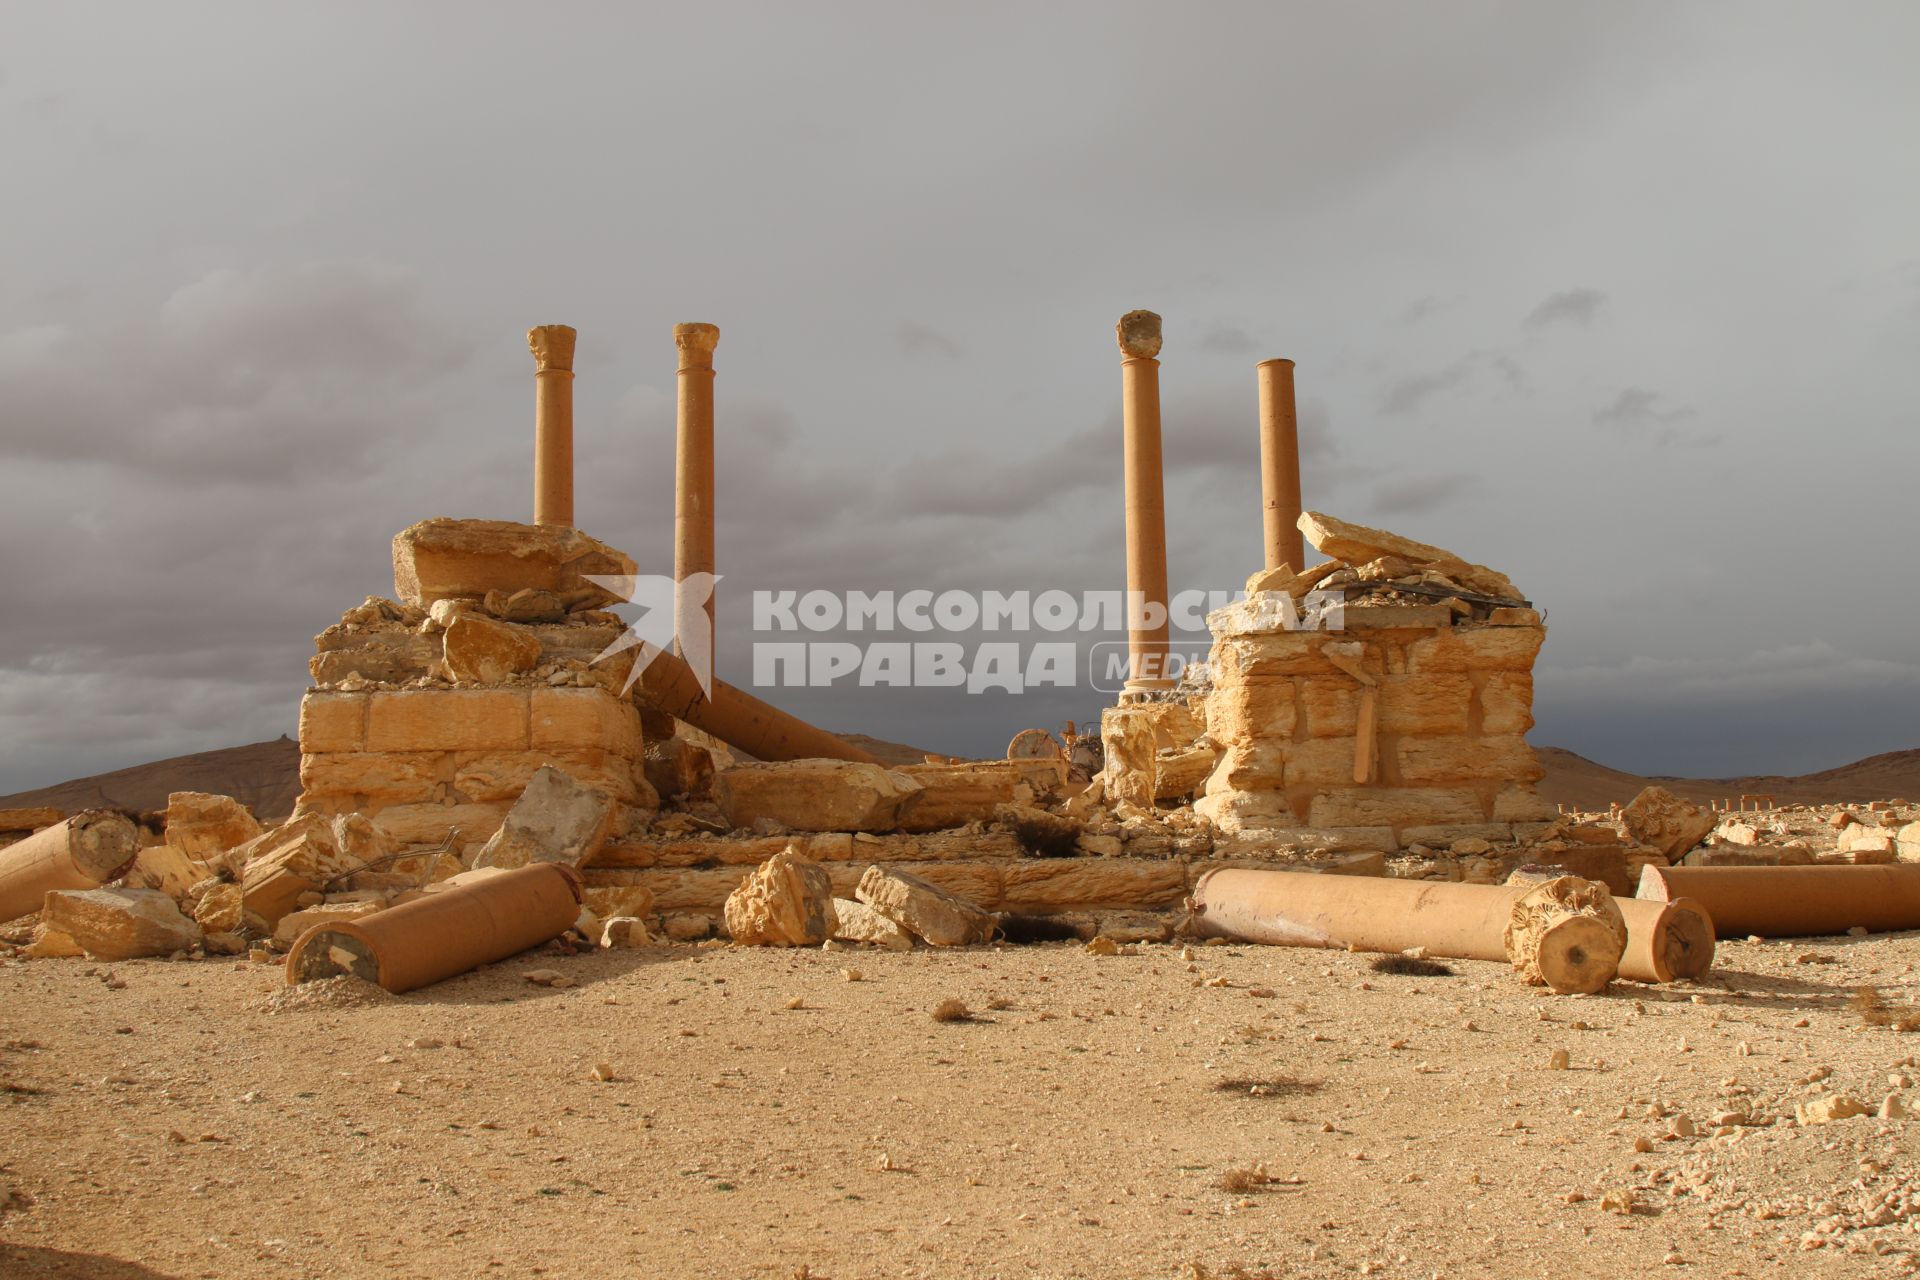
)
(264, 776)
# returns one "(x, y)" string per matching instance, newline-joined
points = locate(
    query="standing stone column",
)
(1280, 466)
(693, 470)
(1139, 336)
(552, 346)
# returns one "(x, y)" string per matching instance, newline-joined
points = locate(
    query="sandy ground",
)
(1246, 1112)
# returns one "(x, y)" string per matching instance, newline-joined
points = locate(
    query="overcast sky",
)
(1621, 299)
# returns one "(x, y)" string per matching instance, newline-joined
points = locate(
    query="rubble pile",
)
(475, 724)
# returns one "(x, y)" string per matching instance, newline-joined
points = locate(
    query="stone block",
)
(333, 721)
(1269, 655)
(375, 779)
(204, 826)
(1357, 545)
(556, 819)
(1332, 707)
(924, 909)
(1044, 886)
(1178, 774)
(1426, 705)
(1250, 766)
(1609, 866)
(118, 924)
(441, 559)
(1321, 762)
(1661, 820)
(479, 650)
(1475, 648)
(500, 776)
(448, 720)
(859, 922)
(221, 909)
(1254, 709)
(610, 902)
(1383, 617)
(1506, 702)
(29, 820)
(786, 902)
(1517, 803)
(412, 825)
(1442, 835)
(816, 795)
(303, 858)
(1233, 811)
(1126, 735)
(573, 719)
(1465, 757)
(167, 869)
(1380, 806)
(954, 795)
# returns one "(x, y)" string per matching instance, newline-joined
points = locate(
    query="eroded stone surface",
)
(1661, 820)
(926, 910)
(786, 902)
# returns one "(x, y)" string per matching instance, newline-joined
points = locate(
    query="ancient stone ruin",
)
(1365, 715)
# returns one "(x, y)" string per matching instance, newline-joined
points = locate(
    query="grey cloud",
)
(916, 338)
(1638, 407)
(1425, 308)
(1409, 393)
(255, 377)
(192, 488)
(1574, 306)
(1414, 495)
(1226, 339)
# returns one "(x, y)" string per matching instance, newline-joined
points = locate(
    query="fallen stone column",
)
(1567, 935)
(1665, 940)
(1458, 921)
(552, 346)
(84, 852)
(1280, 466)
(472, 920)
(1794, 902)
(738, 719)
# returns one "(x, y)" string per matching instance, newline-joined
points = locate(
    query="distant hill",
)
(264, 776)
(1577, 781)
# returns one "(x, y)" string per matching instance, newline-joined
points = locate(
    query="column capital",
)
(696, 343)
(1139, 335)
(552, 347)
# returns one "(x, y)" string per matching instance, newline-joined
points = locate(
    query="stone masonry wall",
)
(420, 761)
(1429, 748)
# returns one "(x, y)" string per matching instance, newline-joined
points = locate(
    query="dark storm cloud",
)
(276, 321)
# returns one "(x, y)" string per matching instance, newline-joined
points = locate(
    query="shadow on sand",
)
(29, 1262)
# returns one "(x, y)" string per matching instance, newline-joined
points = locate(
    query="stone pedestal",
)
(1403, 728)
